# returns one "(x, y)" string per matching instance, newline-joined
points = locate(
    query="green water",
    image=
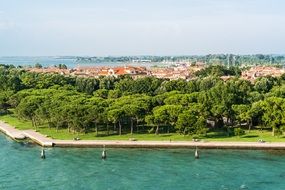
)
(22, 168)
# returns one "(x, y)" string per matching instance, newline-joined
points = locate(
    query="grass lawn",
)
(14, 121)
(63, 134)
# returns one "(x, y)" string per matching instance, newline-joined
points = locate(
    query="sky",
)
(141, 27)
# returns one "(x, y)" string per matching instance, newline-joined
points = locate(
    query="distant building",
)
(262, 71)
(179, 71)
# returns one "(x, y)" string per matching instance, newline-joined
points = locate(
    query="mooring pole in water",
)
(196, 153)
(104, 153)
(43, 154)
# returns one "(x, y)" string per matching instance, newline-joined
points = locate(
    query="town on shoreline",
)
(178, 70)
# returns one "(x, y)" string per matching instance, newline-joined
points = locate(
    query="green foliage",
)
(87, 85)
(38, 66)
(191, 121)
(62, 66)
(238, 132)
(147, 85)
(102, 93)
(81, 105)
(264, 84)
(219, 70)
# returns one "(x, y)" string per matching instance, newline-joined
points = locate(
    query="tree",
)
(4, 98)
(132, 111)
(27, 109)
(164, 115)
(243, 114)
(190, 122)
(102, 93)
(274, 113)
(115, 116)
(38, 66)
(264, 84)
(62, 66)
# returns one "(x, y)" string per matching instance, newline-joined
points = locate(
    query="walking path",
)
(47, 142)
(11, 132)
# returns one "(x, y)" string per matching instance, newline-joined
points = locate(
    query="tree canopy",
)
(145, 104)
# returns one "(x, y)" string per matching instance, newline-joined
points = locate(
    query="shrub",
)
(238, 132)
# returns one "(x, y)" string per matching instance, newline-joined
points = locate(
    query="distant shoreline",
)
(44, 141)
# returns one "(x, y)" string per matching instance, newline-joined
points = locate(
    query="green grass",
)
(14, 121)
(252, 136)
(63, 134)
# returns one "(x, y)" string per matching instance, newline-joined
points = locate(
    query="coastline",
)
(44, 141)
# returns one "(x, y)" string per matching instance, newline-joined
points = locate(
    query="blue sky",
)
(141, 27)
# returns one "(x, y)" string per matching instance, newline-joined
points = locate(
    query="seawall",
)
(44, 141)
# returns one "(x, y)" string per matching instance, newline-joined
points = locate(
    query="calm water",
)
(21, 168)
(69, 62)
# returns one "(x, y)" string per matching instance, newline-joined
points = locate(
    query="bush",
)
(38, 66)
(278, 132)
(238, 132)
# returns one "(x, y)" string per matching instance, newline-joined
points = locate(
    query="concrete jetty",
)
(23, 134)
(11, 132)
(38, 138)
(44, 141)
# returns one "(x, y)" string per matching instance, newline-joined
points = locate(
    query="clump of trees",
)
(38, 66)
(124, 105)
(62, 66)
(219, 70)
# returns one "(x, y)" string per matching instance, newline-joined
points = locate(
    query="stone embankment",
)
(44, 141)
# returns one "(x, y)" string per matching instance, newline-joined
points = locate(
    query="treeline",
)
(224, 59)
(239, 60)
(147, 104)
(219, 70)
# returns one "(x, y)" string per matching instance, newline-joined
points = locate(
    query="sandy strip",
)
(42, 140)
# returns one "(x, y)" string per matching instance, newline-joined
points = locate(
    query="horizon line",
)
(177, 55)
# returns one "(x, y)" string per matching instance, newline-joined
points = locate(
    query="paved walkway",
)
(11, 132)
(38, 138)
(47, 142)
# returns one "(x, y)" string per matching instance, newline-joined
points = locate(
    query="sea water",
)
(70, 62)
(82, 168)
